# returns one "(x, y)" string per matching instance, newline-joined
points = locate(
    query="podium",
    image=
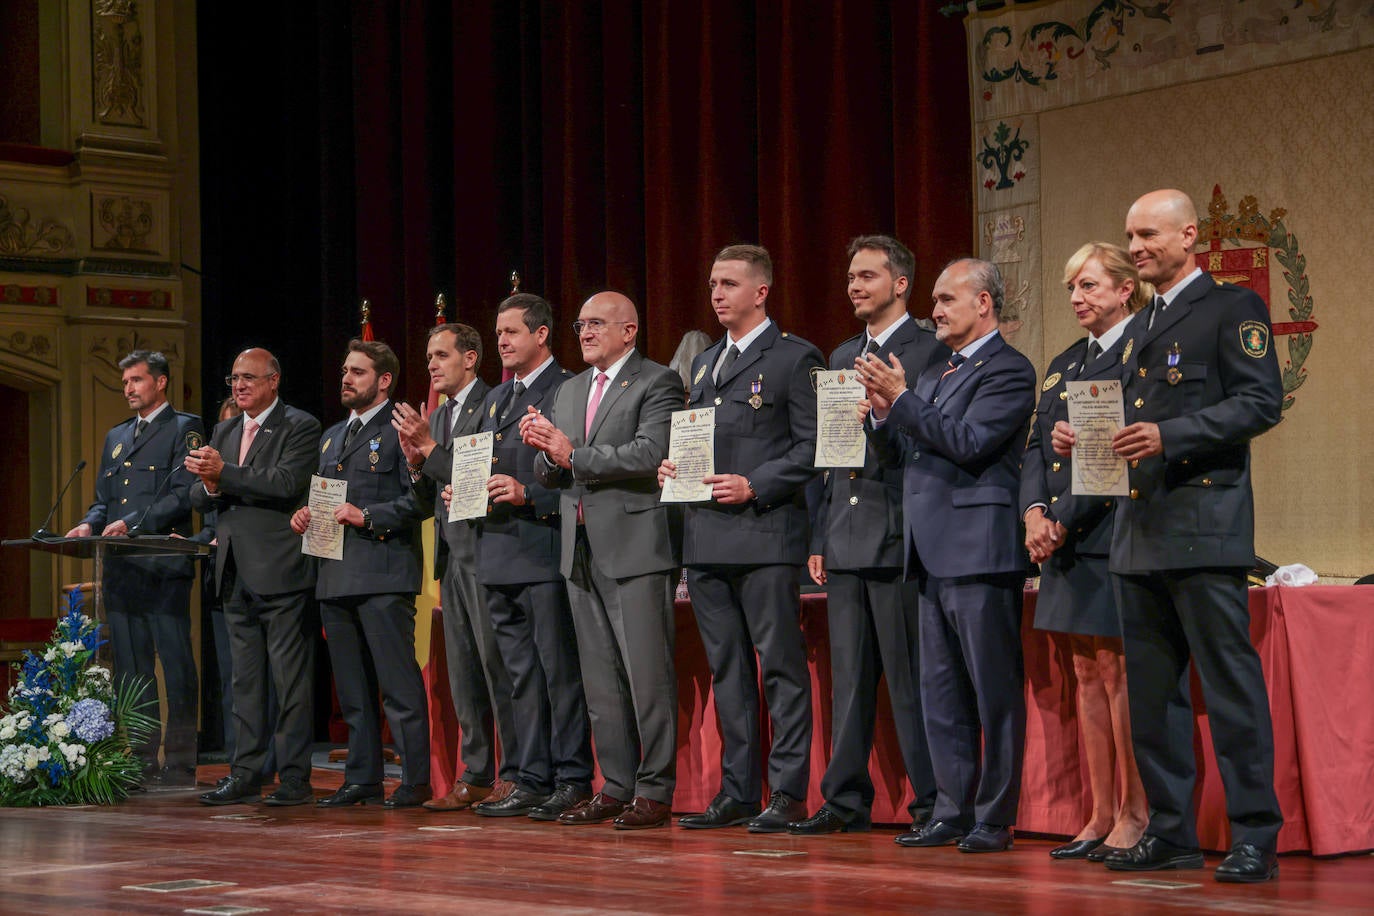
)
(98, 548)
(176, 745)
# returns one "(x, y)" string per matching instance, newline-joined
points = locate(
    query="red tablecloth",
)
(1316, 645)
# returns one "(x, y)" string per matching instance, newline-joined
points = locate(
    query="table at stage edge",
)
(1316, 645)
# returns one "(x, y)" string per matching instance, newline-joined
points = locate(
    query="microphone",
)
(43, 534)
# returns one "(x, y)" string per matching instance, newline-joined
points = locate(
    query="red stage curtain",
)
(621, 144)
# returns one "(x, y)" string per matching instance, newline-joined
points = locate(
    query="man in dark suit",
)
(958, 435)
(743, 550)
(478, 680)
(1201, 381)
(264, 579)
(518, 549)
(601, 444)
(856, 555)
(367, 598)
(143, 488)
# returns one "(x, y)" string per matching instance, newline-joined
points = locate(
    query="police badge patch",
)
(194, 440)
(1051, 381)
(1254, 337)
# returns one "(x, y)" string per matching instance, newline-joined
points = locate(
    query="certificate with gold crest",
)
(324, 538)
(469, 473)
(692, 447)
(1096, 414)
(840, 439)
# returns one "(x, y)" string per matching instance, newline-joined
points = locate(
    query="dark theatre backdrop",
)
(352, 151)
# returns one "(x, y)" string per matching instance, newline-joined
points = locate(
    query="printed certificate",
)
(839, 433)
(692, 447)
(324, 538)
(1096, 414)
(469, 474)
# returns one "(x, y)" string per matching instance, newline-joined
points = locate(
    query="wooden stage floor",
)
(367, 859)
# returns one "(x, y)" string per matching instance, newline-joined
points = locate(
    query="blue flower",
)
(90, 720)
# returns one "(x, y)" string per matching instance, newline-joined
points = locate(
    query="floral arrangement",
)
(65, 738)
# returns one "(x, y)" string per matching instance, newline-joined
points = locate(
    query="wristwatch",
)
(367, 519)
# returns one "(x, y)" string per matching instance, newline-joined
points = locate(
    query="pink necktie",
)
(250, 430)
(592, 405)
(595, 402)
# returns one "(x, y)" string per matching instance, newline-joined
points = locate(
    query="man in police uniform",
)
(1201, 381)
(143, 488)
(743, 550)
(367, 598)
(856, 555)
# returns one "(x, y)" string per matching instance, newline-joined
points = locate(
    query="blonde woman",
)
(1069, 537)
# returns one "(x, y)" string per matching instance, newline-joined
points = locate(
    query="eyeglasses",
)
(247, 379)
(595, 325)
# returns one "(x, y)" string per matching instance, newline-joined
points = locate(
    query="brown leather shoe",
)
(600, 807)
(462, 795)
(644, 813)
(499, 790)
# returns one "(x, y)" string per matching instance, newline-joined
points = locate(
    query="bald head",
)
(607, 326)
(1161, 228)
(254, 379)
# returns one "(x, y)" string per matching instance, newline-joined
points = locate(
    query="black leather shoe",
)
(723, 811)
(519, 801)
(409, 796)
(1248, 864)
(232, 790)
(782, 810)
(1076, 849)
(986, 838)
(1154, 854)
(1100, 854)
(290, 792)
(352, 793)
(827, 821)
(564, 796)
(934, 833)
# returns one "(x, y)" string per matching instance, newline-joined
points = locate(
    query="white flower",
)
(50, 655)
(7, 731)
(75, 753)
(60, 730)
(70, 649)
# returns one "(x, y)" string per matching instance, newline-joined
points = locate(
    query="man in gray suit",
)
(477, 677)
(263, 577)
(856, 554)
(367, 598)
(602, 443)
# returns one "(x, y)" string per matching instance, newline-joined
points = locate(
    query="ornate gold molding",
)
(126, 223)
(117, 63)
(34, 346)
(20, 236)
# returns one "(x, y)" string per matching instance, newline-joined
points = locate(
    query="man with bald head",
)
(1200, 381)
(254, 473)
(601, 444)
